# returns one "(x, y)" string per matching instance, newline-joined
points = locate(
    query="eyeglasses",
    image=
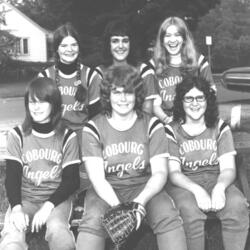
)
(198, 98)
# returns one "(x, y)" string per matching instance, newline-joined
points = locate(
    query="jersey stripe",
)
(154, 125)
(223, 127)
(146, 69)
(91, 73)
(170, 133)
(92, 129)
(67, 136)
(20, 136)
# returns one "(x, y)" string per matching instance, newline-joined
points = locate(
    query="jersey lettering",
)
(77, 106)
(169, 81)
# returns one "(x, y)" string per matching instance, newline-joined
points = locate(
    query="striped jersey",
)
(74, 113)
(127, 153)
(199, 153)
(43, 157)
(167, 81)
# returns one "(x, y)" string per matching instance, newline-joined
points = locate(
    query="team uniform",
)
(43, 158)
(75, 114)
(167, 81)
(126, 156)
(198, 157)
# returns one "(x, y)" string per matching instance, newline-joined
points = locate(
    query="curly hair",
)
(117, 28)
(195, 81)
(44, 89)
(126, 77)
(188, 51)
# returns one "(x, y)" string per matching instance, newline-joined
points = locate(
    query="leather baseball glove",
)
(122, 220)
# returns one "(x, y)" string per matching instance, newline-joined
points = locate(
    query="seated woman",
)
(42, 171)
(202, 166)
(125, 152)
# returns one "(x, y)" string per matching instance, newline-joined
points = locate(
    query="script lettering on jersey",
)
(35, 174)
(165, 84)
(128, 148)
(199, 147)
(75, 105)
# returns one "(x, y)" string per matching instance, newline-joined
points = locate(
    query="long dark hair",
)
(60, 33)
(44, 89)
(122, 76)
(117, 28)
(191, 80)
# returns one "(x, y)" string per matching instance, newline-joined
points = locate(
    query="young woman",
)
(119, 49)
(79, 85)
(125, 153)
(174, 53)
(202, 166)
(42, 171)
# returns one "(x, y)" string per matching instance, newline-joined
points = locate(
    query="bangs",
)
(39, 92)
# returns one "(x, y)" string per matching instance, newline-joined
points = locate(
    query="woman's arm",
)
(226, 178)
(158, 111)
(156, 182)
(95, 170)
(179, 179)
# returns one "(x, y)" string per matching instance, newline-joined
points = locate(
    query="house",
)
(33, 43)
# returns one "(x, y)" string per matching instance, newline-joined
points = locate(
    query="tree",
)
(228, 24)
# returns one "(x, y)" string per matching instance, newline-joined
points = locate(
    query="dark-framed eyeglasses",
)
(198, 98)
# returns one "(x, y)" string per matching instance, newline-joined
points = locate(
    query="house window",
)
(22, 46)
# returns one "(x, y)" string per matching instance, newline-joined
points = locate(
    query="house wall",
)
(21, 26)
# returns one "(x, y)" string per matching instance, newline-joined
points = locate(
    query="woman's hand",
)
(218, 197)
(41, 216)
(19, 218)
(203, 199)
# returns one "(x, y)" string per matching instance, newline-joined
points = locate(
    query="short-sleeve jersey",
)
(127, 153)
(75, 113)
(167, 81)
(199, 153)
(43, 157)
(149, 80)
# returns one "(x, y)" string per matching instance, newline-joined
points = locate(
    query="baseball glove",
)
(122, 220)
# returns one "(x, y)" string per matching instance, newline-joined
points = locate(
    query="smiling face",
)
(194, 105)
(68, 50)
(173, 40)
(39, 110)
(122, 103)
(119, 48)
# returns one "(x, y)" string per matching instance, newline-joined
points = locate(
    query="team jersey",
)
(74, 113)
(199, 153)
(127, 153)
(43, 157)
(167, 81)
(149, 80)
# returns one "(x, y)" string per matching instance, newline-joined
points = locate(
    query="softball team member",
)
(174, 53)
(119, 49)
(125, 153)
(79, 85)
(42, 171)
(202, 167)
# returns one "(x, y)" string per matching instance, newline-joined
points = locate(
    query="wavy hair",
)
(117, 28)
(188, 51)
(194, 81)
(126, 77)
(43, 89)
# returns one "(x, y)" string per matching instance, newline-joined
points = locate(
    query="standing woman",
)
(42, 171)
(79, 85)
(125, 153)
(119, 49)
(174, 53)
(202, 167)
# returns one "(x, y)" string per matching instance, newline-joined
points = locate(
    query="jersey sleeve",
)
(225, 140)
(173, 146)
(14, 145)
(158, 145)
(91, 145)
(149, 80)
(205, 71)
(70, 150)
(94, 78)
